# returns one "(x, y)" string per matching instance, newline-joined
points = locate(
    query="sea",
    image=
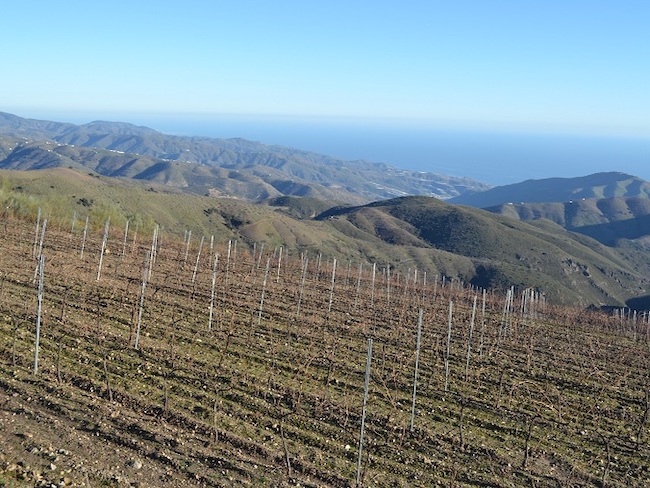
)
(494, 156)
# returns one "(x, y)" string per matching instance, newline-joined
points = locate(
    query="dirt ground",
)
(60, 438)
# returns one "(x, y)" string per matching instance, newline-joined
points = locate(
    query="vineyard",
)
(149, 359)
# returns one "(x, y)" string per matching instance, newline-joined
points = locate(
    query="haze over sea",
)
(497, 157)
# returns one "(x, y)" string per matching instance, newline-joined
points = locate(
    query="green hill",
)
(608, 220)
(466, 244)
(501, 251)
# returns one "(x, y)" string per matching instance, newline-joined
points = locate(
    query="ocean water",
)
(497, 157)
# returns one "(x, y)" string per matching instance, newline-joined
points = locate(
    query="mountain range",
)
(219, 167)
(579, 240)
(595, 186)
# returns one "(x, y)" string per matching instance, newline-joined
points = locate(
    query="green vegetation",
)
(568, 267)
(406, 233)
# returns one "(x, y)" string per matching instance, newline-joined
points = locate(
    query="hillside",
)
(599, 185)
(608, 220)
(406, 233)
(230, 365)
(501, 251)
(232, 167)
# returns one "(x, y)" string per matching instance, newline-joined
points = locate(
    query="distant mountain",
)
(599, 185)
(257, 171)
(607, 220)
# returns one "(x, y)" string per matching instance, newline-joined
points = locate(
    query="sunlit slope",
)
(406, 233)
(608, 220)
(502, 251)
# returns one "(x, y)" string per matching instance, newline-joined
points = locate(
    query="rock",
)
(135, 464)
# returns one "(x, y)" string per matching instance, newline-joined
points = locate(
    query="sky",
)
(557, 64)
(554, 66)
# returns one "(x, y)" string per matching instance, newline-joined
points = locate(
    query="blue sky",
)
(553, 65)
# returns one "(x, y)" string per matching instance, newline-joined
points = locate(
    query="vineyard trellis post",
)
(372, 286)
(38, 226)
(40, 250)
(198, 258)
(135, 237)
(451, 308)
(363, 411)
(101, 254)
(480, 345)
(417, 364)
(302, 285)
(329, 307)
(266, 274)
(39, 311)
(356, 294)
(83, 239)
(126, 234)
(214, 281)
(145, 272)
(469, 338)
(277, 277)
(187, 245)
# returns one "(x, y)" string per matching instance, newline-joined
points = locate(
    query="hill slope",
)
(502, 251)
(608, 220)
(147, 387)
(406, 233)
